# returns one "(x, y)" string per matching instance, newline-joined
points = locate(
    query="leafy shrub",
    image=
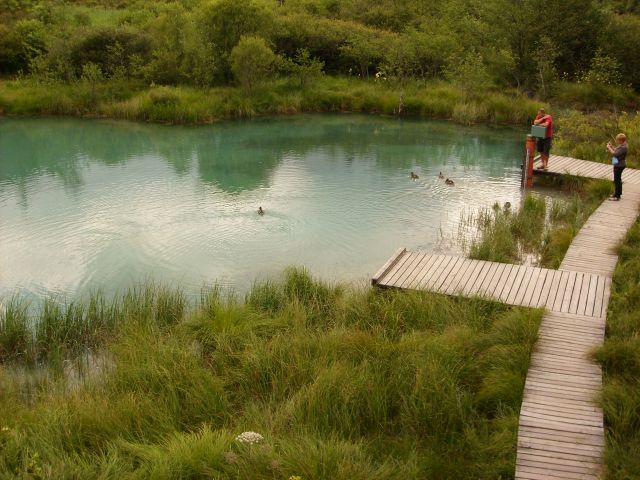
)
(252, 62)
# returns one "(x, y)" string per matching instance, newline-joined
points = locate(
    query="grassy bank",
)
(536, 232)
(584, 135)
(134, 101)
(342, 384)
(620, 359)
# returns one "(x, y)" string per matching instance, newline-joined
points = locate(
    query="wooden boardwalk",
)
(584, 168)
(559, 291)
(561, 428)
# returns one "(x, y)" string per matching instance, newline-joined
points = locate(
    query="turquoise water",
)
(88, 204)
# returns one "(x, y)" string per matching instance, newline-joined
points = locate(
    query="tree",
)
(304, 67)
(604, 70)
(364, 50)
(252, 61)
(224, 22)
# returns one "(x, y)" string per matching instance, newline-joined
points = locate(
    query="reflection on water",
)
(87, 204)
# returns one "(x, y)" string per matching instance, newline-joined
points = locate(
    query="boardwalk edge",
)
(388, 265)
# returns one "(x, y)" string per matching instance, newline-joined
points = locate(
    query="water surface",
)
(88, 204)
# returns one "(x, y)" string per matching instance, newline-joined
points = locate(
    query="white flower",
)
(249, 437)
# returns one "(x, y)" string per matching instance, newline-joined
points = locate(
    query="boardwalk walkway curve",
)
(561, 428)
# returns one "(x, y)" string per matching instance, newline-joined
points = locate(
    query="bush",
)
(252, 62)
(115, 50)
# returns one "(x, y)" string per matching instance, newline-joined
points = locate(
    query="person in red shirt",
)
(544, 144)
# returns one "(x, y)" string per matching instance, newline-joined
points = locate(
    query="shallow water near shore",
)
(88, 204)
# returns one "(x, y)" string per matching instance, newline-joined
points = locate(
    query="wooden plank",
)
(568, 293)
(472, 276)
(522, 271)
(424, 260)
(573, 409)
(388, 265)
(455, 274)
(597, 301)
(567, 379)
(482, 289)
(550, 289)
(490, 288)
(502, 280)
(588, 465)
(426, 270)
(427, 281)
(556, 435)
(473, 289)
(562, 418)
(537, 438)
(533, 281)
(398, 268)
(448, 271)
(508, 284)
(545, 451)
(453, 286)
(560, 426)
(411, 263)
(544, 473)
(569, 470)
(562, 286)
(439, 273)
(537, 290)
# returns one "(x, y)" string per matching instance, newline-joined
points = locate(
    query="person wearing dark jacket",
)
(619, 161)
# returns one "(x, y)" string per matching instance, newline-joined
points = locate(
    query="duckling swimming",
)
(449, 182)
(260, 211)
(440, 175)
(414, 176)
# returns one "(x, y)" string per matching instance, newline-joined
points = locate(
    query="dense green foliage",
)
(493, 43)
(342, 384)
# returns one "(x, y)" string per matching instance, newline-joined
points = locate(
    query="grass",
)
(342, 383)
(620, 360)
(535, 232)
(165, 104)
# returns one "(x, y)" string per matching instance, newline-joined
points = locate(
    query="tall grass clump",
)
(536, 232)
(505, 235)
(16, 336)
(59, 330)
(339, 382)
(620, 359)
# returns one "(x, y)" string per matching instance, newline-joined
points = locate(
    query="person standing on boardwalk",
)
(544, 144)
(619, 161)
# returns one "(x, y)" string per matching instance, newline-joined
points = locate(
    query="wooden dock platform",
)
(583, 168)
(561, 291)
(561, 427)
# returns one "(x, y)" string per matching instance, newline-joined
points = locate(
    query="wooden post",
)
(527, 168)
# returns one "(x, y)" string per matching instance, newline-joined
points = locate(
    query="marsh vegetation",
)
(341, 383)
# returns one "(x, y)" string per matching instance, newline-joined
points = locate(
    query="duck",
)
(449, 182)
(414, 176)
(440, 175)
(260, 211)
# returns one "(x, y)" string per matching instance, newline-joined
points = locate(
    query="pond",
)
(87, 204)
